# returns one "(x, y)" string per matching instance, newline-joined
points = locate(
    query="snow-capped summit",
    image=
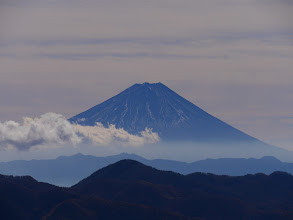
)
(154, 105)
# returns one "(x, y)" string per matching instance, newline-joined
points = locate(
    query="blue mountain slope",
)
(167, 113)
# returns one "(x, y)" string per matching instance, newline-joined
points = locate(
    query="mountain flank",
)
(167, 113)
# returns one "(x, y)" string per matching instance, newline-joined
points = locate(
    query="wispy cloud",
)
(127, 56)
(211, 47)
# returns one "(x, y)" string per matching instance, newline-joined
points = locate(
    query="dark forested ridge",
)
(26, 199)
(131, 190)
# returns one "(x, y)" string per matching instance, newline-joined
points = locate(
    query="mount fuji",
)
(167, 113)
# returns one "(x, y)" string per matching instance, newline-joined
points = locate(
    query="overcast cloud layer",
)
(232, 58)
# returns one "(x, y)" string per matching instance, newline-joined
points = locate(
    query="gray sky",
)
(231, 58)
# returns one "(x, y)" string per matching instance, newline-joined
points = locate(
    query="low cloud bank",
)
(52, 128)
(101, 135)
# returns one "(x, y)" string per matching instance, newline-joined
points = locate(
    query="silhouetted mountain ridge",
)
(206, 196)
(25, 198)
(128, 170)
(128, 190)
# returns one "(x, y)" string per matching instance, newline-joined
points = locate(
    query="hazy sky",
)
(232, 58)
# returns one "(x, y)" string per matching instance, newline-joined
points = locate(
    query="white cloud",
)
(104, 136)
(52, 128)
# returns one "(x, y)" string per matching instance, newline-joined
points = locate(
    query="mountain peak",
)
(148, 84)
(128, 170)
(123, 169)
(154, 105)
(149, 87)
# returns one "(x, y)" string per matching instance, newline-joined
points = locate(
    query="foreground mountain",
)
(66, 171)
(198, 195)
(25, 198)
(131, 190)
(167, 113)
